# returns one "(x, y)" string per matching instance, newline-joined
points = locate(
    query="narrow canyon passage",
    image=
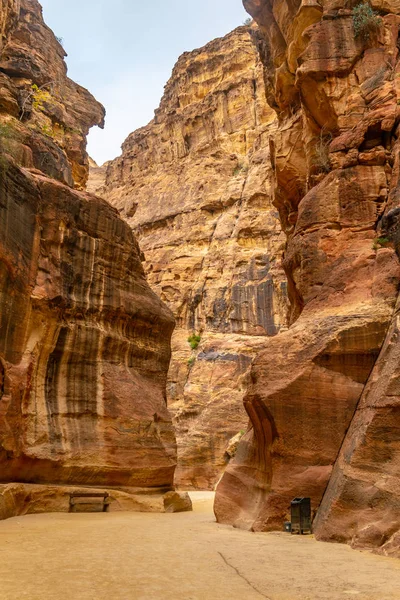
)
(186, 556)
(217, 308)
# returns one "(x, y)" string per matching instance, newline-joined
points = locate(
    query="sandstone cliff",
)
(324, 409)
(84, 342)
(195, 185)
(56, 111)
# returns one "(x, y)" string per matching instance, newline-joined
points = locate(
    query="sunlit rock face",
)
(84, 342)
(195, 185)
(323, 399)
(95, 183)
(57, 112)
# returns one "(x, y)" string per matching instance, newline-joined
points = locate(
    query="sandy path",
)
(131, 556)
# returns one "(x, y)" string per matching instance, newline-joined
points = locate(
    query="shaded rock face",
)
(322, 401)
(195, 185)
(84, 342)
(362, 501)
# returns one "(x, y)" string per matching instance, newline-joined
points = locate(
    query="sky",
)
(123, 52)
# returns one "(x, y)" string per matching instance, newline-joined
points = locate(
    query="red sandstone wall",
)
(319, 390)
(84, 342)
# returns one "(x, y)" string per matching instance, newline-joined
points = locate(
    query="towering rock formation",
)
(84, 342)
(324, 409)
(195, 185)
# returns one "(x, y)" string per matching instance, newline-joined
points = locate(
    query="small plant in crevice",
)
(240, 168)
(191, 361)
(194, 341)
(366, 21)
(48, 131)
(380, 242)
(321, 160)
(36, 96)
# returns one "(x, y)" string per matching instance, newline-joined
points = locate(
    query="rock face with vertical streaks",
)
(84, 342)
(195, 185)
(323, 399)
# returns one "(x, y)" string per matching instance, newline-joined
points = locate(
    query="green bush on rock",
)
(194, 341)
(380, 242)
(365, 20)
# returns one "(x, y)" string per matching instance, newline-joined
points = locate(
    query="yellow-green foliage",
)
(40, 96)
(48, 130)
(194, 341)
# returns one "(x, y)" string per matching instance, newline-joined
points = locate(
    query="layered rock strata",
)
(323, 407)
(195, 185)
(84, 342)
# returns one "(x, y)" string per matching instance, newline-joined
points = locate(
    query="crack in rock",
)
(242, 576)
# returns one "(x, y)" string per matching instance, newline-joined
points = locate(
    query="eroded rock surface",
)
(362, 501)
(195, 185)
(335, 157)
(84, 342)
(19, 499)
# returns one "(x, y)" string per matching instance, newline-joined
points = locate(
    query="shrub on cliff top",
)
(365, 20)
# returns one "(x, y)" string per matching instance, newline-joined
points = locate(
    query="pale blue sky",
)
(124, 51)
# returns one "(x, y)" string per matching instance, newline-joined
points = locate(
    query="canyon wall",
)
(84, 342)
(195, 185)
(323, 399)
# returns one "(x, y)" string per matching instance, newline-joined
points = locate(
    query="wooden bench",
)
(77, 499)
